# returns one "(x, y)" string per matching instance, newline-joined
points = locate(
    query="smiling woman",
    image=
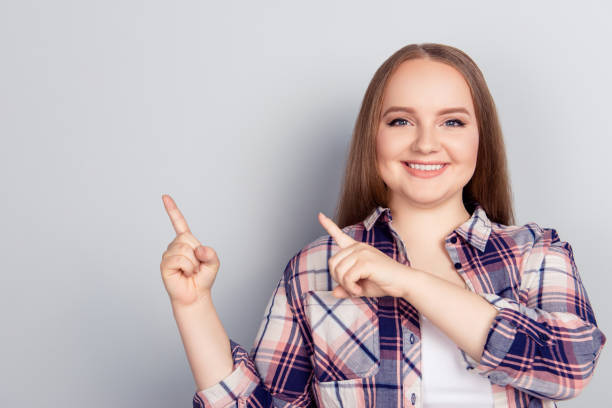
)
(426, 153)
(423, 292)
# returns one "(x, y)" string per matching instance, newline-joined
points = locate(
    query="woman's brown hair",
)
(363, 189)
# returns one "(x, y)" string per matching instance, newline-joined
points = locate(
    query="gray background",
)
(243, 112)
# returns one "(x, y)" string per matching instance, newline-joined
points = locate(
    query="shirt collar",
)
(475, 230)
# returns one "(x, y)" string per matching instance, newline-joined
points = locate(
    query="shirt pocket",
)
(345, 335)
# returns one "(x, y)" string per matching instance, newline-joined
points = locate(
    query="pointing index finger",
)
(337, 234)
(177, 219)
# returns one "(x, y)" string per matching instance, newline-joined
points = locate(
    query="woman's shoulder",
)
(530, 236)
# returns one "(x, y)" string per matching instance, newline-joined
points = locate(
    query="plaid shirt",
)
(542, 346)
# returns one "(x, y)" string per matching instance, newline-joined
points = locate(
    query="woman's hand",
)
(362, 270)
(188, 268)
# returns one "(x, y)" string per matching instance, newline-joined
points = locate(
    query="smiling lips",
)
(425, 170)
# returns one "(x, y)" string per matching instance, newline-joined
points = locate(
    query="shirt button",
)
(453, 239)
(413, 398)
(457, 265)
(411, 338)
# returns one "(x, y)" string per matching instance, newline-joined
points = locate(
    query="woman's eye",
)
(403, 122)
(395, 121)
(459, 123)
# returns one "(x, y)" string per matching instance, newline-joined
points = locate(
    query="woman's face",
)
(419, 123)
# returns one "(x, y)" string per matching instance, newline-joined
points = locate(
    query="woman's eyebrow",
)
(440, 112)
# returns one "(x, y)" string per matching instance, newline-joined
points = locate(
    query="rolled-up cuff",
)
(236, 387)
(503, 355)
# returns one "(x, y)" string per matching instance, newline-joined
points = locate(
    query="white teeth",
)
(426, 166)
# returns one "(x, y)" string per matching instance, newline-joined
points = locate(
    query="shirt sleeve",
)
(546, 344)
(277, 372)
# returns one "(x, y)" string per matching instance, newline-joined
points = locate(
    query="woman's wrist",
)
(203, 302)
(411, 282)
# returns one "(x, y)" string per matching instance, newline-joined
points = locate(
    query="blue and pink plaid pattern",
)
(312, 347)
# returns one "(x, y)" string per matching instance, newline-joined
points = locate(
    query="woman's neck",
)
(420, 225)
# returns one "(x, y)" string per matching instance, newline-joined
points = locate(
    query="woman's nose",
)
(426, 140)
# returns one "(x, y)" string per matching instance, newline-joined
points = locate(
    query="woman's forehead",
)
(426, 85)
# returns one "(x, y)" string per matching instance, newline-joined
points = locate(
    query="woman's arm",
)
(277, 371)
(205, 340)
(547, 344)
(461, 314)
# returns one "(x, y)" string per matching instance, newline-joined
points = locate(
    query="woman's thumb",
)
(203, 254)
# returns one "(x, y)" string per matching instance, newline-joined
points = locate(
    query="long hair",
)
(363, 189)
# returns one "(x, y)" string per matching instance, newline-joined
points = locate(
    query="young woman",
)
(424, 293)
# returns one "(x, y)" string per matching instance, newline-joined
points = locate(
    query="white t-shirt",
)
(446, 383)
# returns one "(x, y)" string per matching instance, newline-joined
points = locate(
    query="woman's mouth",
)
(425, 171)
